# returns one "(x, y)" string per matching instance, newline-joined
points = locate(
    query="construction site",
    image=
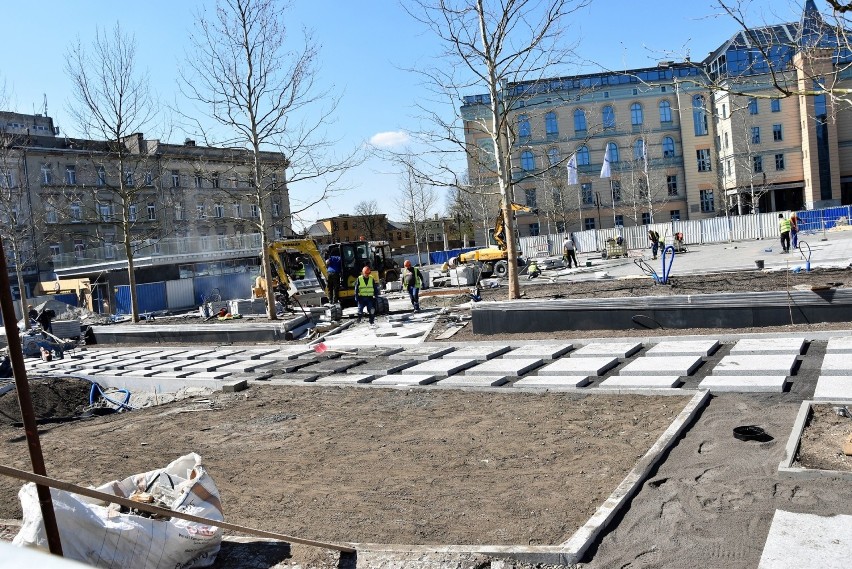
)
(596, 422)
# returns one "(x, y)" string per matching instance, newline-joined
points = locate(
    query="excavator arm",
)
(499, 223)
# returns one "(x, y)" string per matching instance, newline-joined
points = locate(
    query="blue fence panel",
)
(232, 286)
(67, 298)
(150, 297)
(819, 219)
(441, 257)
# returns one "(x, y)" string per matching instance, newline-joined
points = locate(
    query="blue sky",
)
(366, 45)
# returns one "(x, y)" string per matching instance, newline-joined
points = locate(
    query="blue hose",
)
(96, 389)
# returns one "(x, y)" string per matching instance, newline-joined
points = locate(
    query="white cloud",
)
(390, 139)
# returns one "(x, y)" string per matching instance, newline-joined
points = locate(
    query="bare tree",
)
(262, 92)
(370, 218)
(415, 203)
(112, 103)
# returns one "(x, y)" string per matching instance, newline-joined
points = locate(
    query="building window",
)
(8, 180)
(79, 248)
(534, 229)
(615, 185)
(276, 209)
(588, 196)
(524, 130)
(726, 140)
(101, 176)
(132, 212)
(706, 197)
(178, 211)
(128, 177)
(589, 223)
(579, 121)
(699, 115)
(779, 161)
(612, 148)
(560, 227)
(608, 117)
(643, 187)
(274, 181)
(619, 221)
(76, 211)
(671, 184)
(149, 179)
(551, 125)
(51, 214)
(752, 106)
(757, 163)
(775, 105)
(175, 178)
(198, 181)
(639, 149)
(215, 179)
(279, 233)
(55, 250)
(755, 135)
(777, 133)
(646, 218)
(636, 116)
(724, 111)
(238, 210)
(668, 147)
(345, 225)
(254, 213)
(703, 157)
(199, 210)
(46, 174)
(105, 212)
(71, 175)
(583, 158)
(665, 112)
(530, 195)
(152, 212)
(527, 161)
(218, 211)
(553, 156)
(674, 215)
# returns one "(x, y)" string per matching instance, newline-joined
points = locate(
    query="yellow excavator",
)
(494, 259)
(299, 273)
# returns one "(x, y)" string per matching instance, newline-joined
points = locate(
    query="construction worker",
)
(532, 270)
(299, 271)
(334, 266)
(654, 238)
(412, 282)
(366, 291)
(784, 226)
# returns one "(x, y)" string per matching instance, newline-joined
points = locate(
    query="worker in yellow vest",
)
(366, 291)
(412, 282)
(784, 226)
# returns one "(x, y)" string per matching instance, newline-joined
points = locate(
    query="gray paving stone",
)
(344, 378)
(641, 381)
(225, 354)
(171, 365)
(506, 367)
(744, 384)
(422, 353)
(138, 373)
(571, 367)
(206, 375)
(205, 366)
(839, 345)
(143, 365)
(440, 367)
(371, 352)
(290, 366)
(836, 364)
(382, 366)
(170, 374)
(404, 380)
(777, 364)
(807, 541)
(768, 346)
(601, 349)
(673, 365)
(481, 353)
(683, 348)
(256, 354)
(195, 354)
(474, 381)
(246, 366)
(330, 367)
(553, 381)
(289, 354)
(543, 351)
(833, 387)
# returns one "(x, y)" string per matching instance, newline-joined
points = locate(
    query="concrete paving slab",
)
(641, 381)
(474, 381)
(600, 349)
(367, 352)
(171, 365)
(143, 365)
(288, 353)
(208, 365)
(768, 346)
(553, 381)
(404, 380)
(543, 351)
(330, 367)
(807, 541)
(346, 378)
(207, 375)
(673, 365)
(246, 366)
(256, 353)
(289, 366)
(195, 354)
(382, 366)
(839, 345)
(836, 364)
(744, 384)
(170, 374)
(422, 353)
(570, 367)
(777, 364)
(833, 387)
(440, 367)
(139, 373)
(481, 353)
(510, 367)
(225, 354)
(683, 348)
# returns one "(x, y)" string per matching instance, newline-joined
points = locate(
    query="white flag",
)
(572, 169)
(605, 170)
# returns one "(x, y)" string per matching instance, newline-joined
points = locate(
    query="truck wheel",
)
(501, 268)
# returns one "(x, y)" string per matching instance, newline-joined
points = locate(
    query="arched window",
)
(668, 147)
(579, 120)
(551, 126)
(527, 161)
(608, 117)
(583, 156)
(639, 149)
(665, 111)
(613, 152)
(523, 126)
(636, 118)
(699, 115)
(553, 156)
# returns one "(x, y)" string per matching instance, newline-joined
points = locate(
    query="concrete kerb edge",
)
(571, 551)
(786, 468)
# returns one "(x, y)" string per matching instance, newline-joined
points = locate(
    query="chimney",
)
(189, 142)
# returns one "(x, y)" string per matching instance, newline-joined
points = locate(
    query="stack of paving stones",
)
(756, 365)
(663, 365)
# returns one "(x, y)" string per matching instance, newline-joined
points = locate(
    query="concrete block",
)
(422, 353)
(170, 374)
(225, 354)
(207, 375)
(543, 351)
(440, 367)
(235, 386)
(836, 363)
(510, 367)
(778, 364)
(481, 353)
(839, 345)
(382, 366)
(404, 380)
(641, 381)
(572, 367)
(255, 354)
(205, 366)
(195, 354)
(344, 378)
(744, 384)
(674, 365)
(474, 381)
(614, 349)
(553, 381)
(833, 388)
(683, 348)
(393, 286)
(804, 541)
(768, 346)
(330, 367)
(246, 366)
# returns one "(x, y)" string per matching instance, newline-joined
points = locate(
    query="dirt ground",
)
(822, 440)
